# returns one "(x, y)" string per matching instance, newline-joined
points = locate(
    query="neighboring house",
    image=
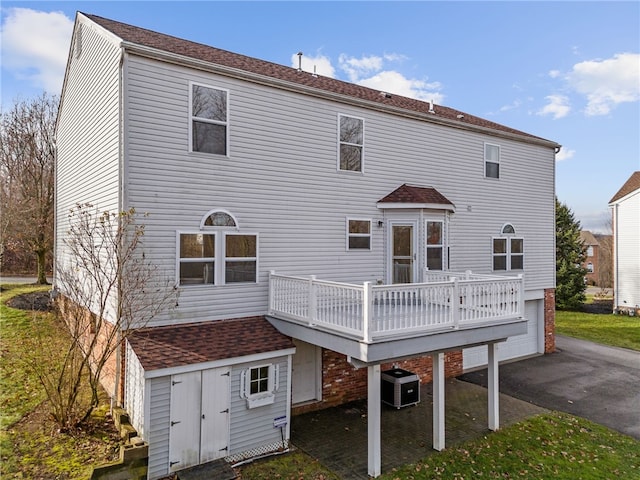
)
(591, 263)
(313, 229)
(625, 207)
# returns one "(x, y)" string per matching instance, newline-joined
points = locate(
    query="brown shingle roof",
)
(587, 238)
(629, 186)
(411, 194)
(198, 51)
(177, 345)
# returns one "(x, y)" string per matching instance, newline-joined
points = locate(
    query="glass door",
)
(402, 253)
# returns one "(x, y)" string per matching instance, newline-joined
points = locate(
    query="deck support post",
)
(493, 387)
(438, 401)
(374, 411)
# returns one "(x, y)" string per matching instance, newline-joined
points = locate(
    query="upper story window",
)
(209, 114)
(508, 250)
(491, 160)
(590, 251)
(217, 254)
(351, 143)
(435, 245)
(590, 267)
(358, 234)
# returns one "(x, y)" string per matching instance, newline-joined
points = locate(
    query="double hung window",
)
(351, 133)
(358, 234)
(491, 160)
(435, 245)
(209, 119)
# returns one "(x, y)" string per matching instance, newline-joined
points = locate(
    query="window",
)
(258, 385)
(590, 267)
(197, 258)
(351, 143)
(358, 234)
(508, 251)
(208, 120)
(491, 161)
(435, 245)
(590, 251)
(217, 257)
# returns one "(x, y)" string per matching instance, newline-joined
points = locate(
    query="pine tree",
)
(570, 257)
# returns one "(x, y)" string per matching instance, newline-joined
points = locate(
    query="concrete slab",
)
(218, 470)
(585, 379)
(337, 436)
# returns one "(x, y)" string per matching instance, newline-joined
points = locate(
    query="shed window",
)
(258, 385)
(208, 119)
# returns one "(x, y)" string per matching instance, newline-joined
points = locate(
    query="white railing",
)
(369, 312)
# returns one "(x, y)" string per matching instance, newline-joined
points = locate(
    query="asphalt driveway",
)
(582, 378)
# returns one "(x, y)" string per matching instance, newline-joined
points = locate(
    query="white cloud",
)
(35, 46)
(607, 83)
(319, 64)
(356, 68)
(564, 154)
(558, 106)
(513, 105)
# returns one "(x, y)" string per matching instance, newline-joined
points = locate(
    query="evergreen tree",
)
(570, 257)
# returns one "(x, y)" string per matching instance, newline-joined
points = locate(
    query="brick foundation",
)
(342, 382)
(549, 320)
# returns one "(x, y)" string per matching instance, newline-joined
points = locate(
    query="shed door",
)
(199, 416)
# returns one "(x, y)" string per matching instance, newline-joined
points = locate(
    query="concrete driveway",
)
(582, 378)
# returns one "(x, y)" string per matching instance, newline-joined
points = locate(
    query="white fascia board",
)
(225, 362)
(426, 206)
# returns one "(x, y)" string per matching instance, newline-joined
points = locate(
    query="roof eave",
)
(405, 205)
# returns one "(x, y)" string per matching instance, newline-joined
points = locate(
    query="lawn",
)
(30, 444)
(555, 445)
(615, 330)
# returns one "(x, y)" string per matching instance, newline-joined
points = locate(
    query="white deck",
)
(377, 313)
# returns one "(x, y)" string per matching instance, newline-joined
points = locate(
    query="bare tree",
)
(27, 156)
(605, 257)
(105, 290)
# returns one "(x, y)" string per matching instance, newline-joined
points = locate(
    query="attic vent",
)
(78, 42)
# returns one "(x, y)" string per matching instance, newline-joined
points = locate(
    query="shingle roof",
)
(587, 238)
(629, 186)
(166, 43)
(412, 194)
(177, 345)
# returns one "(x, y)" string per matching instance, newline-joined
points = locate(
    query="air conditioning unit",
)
(400, 388)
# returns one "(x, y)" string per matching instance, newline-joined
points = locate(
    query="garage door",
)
(515, 347)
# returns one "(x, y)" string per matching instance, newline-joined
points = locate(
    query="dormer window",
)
(218, 253)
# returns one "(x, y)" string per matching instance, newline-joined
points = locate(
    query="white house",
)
(625, 208)
(317, 232)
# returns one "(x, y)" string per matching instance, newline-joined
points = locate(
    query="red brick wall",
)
(550, 320)
(342, 382)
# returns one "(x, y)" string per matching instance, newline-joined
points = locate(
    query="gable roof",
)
(631, 185)
(151, 42)
(418, 197)
(188, 344)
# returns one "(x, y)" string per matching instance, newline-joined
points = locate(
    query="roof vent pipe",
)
(299, 61)
(431, 110)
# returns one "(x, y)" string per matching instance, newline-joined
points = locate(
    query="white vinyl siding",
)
(280, 180)
(134, 385)
(159, 426)
(627, 251)
(88, 134)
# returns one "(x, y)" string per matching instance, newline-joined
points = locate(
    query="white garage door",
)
(514, 347)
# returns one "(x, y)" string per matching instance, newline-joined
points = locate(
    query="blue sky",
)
(566, 71)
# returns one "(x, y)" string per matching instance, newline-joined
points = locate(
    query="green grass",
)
(608, 329)
(551, 446)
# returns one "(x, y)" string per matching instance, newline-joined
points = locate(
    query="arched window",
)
(217, 253)
(508, 250)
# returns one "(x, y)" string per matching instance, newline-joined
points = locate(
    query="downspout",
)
(117, 399)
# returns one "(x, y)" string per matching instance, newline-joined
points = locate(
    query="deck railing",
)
(447, 301)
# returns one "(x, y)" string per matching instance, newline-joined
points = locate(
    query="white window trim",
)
(508, 253)
(442, 245)
(206, 120)
(263, 398)
(358, 235)
(356, 172)
(220, 258)
(218, 210)
(484, 154)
